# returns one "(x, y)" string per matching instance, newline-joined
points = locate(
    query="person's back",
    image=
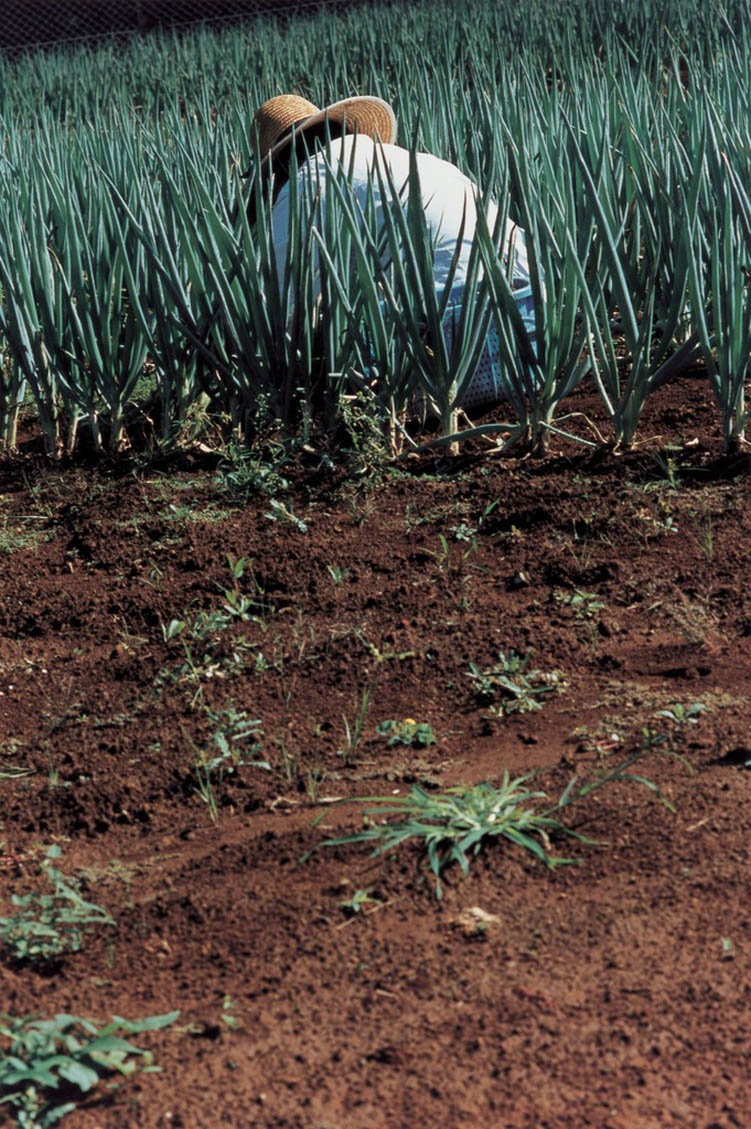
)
(448, 201)
(357, 138)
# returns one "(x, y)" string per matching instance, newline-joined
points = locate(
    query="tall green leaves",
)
(33, 317)
(129, 267)
(720, 277)
(544, 354)
(620, 295)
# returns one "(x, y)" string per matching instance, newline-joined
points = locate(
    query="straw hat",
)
(275, 118)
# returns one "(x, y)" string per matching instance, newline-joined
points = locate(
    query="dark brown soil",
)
(615, 994)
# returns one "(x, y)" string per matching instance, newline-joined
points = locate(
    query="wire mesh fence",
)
(34, 23)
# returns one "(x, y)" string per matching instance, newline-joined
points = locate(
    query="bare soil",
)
(614, 994)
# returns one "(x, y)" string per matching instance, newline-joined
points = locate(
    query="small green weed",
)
(199, 634)
(256, 607)
(682, 715)
(454, 826)
(415, 734)
(279, 512)
(15, 771)
(237, 606)
(705, 541)
(207, 515)
(466, 532)
(242, 473)
(229, 750)
(663, 520)
(43, 1058)
(15, 537)
(359, 899)
(353, 733)
(203, 625)
(585, 605)
(228, 1017)
(47, 925)
(509, 687)
(289, 759)
(665, 472)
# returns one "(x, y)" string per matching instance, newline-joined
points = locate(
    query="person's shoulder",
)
(439, 166)
(359, 143)
(353, 151)
(427, 164)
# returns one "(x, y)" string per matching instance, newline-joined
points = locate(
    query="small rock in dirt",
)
(474, 921)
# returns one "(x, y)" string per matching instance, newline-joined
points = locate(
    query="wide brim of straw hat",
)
(365, 115)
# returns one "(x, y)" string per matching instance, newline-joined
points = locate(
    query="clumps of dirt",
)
(191, 685)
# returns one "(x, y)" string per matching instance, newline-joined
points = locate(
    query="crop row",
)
(129, 269)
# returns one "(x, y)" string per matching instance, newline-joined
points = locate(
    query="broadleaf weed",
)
(510, 687)
(44, 1058)
(48, 925)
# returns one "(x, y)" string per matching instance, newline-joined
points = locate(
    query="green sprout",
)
(43, 1059)
(509, 687)
(360, 898)
(415, 734)
(47, 925)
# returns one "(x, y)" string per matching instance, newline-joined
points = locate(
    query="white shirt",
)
(446, 193)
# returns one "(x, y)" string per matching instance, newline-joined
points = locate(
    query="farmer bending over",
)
(362, 131)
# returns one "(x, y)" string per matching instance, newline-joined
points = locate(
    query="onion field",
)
(131, 280)
(346, 783)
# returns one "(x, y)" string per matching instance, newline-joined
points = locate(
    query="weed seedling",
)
(289, 760)
(360, 898)
(585, 605)
(242, 473)
(16, 771)
(228, 1017)
(705, 541)
(199, 634)
(665, 473)
(663, 520)
(280, 512)
(442, 556)
(415, 734)
(50, 924)
(683, 715)
(313, 778)
(465, 532)
(256, 607)
(229, 750)
(509, 687)
(43, 1058)
(453, 827)
(353, 733)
